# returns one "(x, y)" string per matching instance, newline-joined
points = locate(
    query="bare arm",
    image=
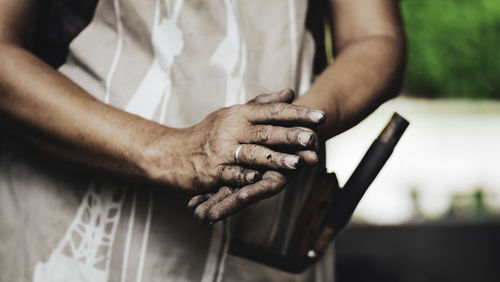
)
(369, 47)
(43, 107)
(370, 53)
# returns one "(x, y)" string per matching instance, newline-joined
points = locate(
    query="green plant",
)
(454, 48)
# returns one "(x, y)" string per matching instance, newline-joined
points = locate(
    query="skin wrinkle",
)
(275, 109)
(263, 187)
(277, 136)
(265, 113)
(267, 134)
(256, 154)
(291, 136)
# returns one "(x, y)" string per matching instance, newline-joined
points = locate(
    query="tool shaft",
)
(347, 200)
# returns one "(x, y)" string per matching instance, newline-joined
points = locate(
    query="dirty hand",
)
(227, 201)
(202, 157)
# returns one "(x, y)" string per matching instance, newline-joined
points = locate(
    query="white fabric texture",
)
(174, 62)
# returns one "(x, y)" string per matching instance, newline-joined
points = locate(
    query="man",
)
(150, 106)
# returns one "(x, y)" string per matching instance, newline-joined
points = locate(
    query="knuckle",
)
(252, 152)
(236, 108)
(221, 171)
(233, 175)
(264, 133)
(220, 115)
(243, 196)
(302, 111)
(195, 201)
(232, 172)
(292, 135)
(266, 188)
(232, 111)
(199, 214)
(206, 180)
(276, 108)
(229, 171)
(276, 177)
(225, 191)
(239, 179)
(214, 115)
(214, 214)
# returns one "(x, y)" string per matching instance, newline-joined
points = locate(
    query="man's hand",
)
(227, 201)
(204, 154)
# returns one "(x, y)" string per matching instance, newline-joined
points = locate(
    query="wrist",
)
(157, 153)
(328, 101)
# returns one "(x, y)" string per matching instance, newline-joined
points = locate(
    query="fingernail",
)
(317, 115)
(305, 138)
(292, 161)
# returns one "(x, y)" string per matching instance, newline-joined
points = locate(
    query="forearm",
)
(366, 73)
(46, 109)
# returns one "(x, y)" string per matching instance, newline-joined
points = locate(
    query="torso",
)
(173, 62)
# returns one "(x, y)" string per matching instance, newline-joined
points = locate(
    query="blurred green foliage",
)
(454, 48)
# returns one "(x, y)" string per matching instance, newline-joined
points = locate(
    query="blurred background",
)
(433, 213)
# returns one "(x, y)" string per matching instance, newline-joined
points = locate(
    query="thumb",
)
(283, 96)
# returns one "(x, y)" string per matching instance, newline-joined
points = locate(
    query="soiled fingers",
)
(251, 155)
(283, 113)
(236, 176)
(269, 135)
(272, 182)
(201, 210)
(206, 201)
(259, 156)
(197, 200)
